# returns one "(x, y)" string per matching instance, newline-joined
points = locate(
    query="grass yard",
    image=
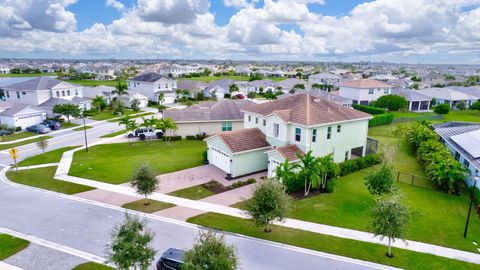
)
(69, 125)
(92, 266)
(454, 115)
(11, 145)
(10, 245)
(16, 136)
(138, 114)
(48, 157)
(43, 178)
(153, 206)
(115, 163)
(113, 134)
(28, 75)
(95, 83)
(344, 247)
(192, 193)
(105, 115)
(81, 128)
(208, 79)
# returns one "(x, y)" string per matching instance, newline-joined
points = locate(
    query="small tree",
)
(42, 143)
(120, 89)
(135, 105)
(144, 181)
(327, 169)
(441, 109)
(391, 102)
(251, 95)
(68, 110)
(461, 105)
(210, 252)
(98, 102)
(390, 219)
(129, 124)
(130, 247)
(476, 106)
(285, 173)
(381, 181)
(161, 98)
(309, 170)
(269, 203)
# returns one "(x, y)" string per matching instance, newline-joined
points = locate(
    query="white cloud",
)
(171, 11)
(236, 3)
(115, 4)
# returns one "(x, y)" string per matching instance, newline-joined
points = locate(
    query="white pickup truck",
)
(144, 133)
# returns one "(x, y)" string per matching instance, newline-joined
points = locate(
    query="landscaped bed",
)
(345, 247)
(10, 245)
(49, 157)
(43, 178)
(92, 266)
(115, 163)
(153, 206)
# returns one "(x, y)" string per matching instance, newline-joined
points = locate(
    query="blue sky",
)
(440, 31)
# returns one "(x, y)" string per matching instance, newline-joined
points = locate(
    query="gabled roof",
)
(445, 93)
(39, 83)
(307, 110)
(243, 139)
(191, 85)
(321, 94)
(223, 83)
(326, 75)
(411, 95)
(365, 84)
(148, 77)
(17, 108)
(54, 101)
(205, 111)
(289, 151)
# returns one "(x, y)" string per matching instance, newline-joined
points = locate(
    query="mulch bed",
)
(217, 187)
(299, 195)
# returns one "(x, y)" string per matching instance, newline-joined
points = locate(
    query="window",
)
(24, 93)
(385, 91)
(18, 95)
(339, 128)
(329, 133)
(298, 134)
(166, 86)
(276, 129)
(256, 120)
(314, 135)
(264, 122)
(76, 92)
(8, 94)
(249, 118)
(346, 155)
(457, 156)
(466, 163)
(370, 91)
(63, 93)
(68, 92)
(58, 93)
(226, 126)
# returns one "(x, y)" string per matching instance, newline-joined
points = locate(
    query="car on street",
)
(144, 133)
(52, 124)
(39, 129)
(171, 259)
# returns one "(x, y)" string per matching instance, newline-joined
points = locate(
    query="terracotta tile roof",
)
(289, 151)
(365, 83)
(307, 110)
(244, 139)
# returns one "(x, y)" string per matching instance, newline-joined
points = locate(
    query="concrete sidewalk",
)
(5, 266)
(36, 166)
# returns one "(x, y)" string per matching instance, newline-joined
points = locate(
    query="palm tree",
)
(166, 124)
(309, 170)
(129, 124)
(149, 123)
(120, 90)
(98, 102)
(327, 169)
(285, 173)
(232, 88)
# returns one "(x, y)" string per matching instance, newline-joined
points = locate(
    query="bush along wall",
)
(369, 109)
(381, 119)
(353, 165)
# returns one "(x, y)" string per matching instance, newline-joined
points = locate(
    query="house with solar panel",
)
(463, 140)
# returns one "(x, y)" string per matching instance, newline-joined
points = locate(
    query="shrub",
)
(17, 129)
(441, 109)
(353, 165)
(200, 136)
(205, 155)
(252, 180)
(172, 138)
(391, 102)
(190, 137)
(369, 109)
(330, 187)
(381, 119)
(227, 95)
(381, 181)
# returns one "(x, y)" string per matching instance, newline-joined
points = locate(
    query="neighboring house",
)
(4, 69)
(83, 104)
(192, 86)
(209, 117)
(151, 84)
(416, 101)
(20, 115)
(325, 78)
(323, 95)
(128, 99)
(298, 123)
(433, 79)
(289, 84)
(463, 140)
(256, 86)
(218, 88)
(448, 95)
(104, 73)
(364, 91)
(104, 91)
(176, 70)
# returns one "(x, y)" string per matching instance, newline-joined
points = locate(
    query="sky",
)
(402, 31)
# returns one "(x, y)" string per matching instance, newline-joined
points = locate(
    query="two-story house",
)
(151, 84)
(278, 130)
(364, 91)
(325, 78)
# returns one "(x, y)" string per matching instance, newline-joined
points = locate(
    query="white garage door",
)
(26, 121)
(272, 167)
(220, 159)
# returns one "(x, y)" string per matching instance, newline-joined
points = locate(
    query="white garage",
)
(219, 159)
(21, 115)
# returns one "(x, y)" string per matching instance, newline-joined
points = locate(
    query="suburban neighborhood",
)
(273, 134)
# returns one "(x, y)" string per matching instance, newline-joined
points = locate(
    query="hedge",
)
(196, 137)
(172, 138)
(353, 165)
(369, 109)
(381, 119)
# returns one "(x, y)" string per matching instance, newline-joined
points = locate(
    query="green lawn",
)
(192, 193)
(455, 115)
(82, 128)
(344, 247)
(152, 207)
(11, 145)
(43, 178)
(48, 157)
(113, 134)
(95, 83)
(115, 163)
(28, 75)
(92, 266)
(138, 114)
(105, 115)
(69, 125)
(208, 79)
(10, 245)
(16, 136)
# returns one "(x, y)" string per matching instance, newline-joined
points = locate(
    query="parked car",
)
(39, 129)
(171, 259)
(5, 132)
(52, 124)
(144, 133)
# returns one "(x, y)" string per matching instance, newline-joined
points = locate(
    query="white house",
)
(128, 99)
(325, 78)
(364, 91)
(20, 115)
(4, 69)
(151, 84)
(177, 70)
(447, 95)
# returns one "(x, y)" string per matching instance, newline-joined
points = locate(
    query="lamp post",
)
(475, 178)
(85, 132)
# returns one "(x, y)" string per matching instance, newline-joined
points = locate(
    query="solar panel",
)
(470, 142)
